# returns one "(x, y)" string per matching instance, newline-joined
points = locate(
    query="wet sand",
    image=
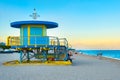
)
(83, 68)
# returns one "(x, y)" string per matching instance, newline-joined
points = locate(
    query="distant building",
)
(2, 43)
(1, 46)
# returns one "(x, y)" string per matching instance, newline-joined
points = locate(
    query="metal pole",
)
(21, 53)
(28, 57)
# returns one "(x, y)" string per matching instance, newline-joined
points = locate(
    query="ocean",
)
(115, 54)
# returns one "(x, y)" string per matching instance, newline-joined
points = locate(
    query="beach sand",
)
(84, 67)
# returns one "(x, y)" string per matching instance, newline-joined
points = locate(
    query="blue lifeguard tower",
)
(36, 46)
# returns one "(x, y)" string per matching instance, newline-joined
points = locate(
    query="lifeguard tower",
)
(36, 46)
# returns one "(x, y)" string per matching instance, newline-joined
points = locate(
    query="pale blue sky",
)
(81, 21)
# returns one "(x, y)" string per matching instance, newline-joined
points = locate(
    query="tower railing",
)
(63, 42)
(36, 41)
(13, 41)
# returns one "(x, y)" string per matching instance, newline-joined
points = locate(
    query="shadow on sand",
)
(82, 63)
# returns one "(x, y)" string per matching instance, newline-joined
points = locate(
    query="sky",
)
(87, 24)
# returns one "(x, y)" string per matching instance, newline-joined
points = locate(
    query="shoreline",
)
(100, 57)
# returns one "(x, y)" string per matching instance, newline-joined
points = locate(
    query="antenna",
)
(34, 14)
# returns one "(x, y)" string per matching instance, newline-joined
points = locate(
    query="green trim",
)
(21, 36)
(23, 26)
(44, 33)
(35, 35)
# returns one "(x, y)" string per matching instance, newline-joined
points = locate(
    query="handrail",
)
(19, 41)
(63, 41)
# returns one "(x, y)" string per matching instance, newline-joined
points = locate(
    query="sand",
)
(83, 68)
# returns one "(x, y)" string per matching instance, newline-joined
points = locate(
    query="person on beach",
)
(99, 55)
(69, 56)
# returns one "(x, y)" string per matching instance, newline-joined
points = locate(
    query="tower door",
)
(35, 34)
